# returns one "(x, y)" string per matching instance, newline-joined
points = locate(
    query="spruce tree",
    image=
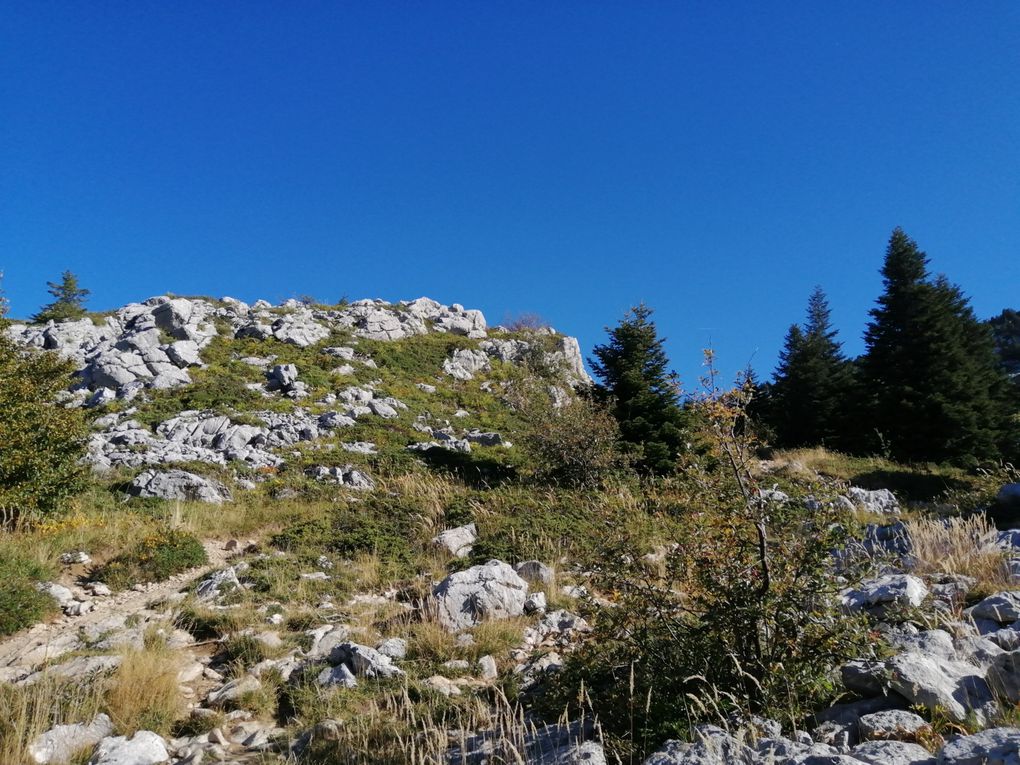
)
(643, 394)
(69, 302)
(812, 381)
(936, 391)
(1006, 331)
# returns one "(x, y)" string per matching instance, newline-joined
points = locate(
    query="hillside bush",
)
(43, 442)
(21, 604)
(739, 617)
(157, 557)
(574, 444)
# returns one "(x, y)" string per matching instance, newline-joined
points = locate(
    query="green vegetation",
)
(806, 405)
(21, 604)
(158, 556)
(740, 616)
(43, 441)
(643, 394)
(936, 389)
(931, 386)
(69, 300)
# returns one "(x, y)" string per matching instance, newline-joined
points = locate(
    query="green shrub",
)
(380, 525)
(21, 604)
(157, 557)
(43, 442)
(742, 616)
(574, 444)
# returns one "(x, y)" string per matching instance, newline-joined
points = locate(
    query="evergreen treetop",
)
(69, 302)
(934, 390)
(633, 371)
(804, 405)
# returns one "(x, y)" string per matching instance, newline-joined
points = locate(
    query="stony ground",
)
(373, 593)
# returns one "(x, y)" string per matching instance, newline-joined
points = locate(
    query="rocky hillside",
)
(220, 383)
(317, 534)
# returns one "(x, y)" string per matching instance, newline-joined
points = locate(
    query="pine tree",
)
(642, 392)
(69, 302)
(936, 392)
(1006, 331)
(813, 379)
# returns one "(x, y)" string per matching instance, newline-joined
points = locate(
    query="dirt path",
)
(26, 650)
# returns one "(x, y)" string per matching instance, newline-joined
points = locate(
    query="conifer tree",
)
(936, 391)
(813, 379)
(1006, 331)
(69, 300)
(642, 392)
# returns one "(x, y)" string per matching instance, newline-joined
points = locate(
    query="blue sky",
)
(713, 159)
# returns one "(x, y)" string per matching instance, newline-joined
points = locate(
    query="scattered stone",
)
(534, 572)
(892, 753)
(364, 661)
(955, 688)
(442, 685)
(535, 604)
(457, 541)
(995, 746)
(57, 745)
(344, 475)
(880, 502)
(394, 648)
(339, 675)
(897, 589)
(79, 557)
(179, 484)
(487, 668)
(143, 748)
(1003, 607)
(891, 724)
(218, 583)
(490, 591)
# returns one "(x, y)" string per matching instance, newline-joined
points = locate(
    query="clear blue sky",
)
(715, 160)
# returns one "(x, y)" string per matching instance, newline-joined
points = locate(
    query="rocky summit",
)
(390, 532)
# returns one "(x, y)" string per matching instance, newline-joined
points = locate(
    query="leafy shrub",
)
(21, 604)
(574, 444)
(383, 526)
(742, 617)
(157, 557)
(43, 442)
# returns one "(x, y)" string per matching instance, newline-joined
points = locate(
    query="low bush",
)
(21, 604)
(158, 556)
(41, 464)
(741, 617)
(573, 444)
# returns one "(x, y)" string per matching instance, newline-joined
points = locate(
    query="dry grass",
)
(959, 546)
(401, 725)
(29, 711)
(143, 693)
(429, 641)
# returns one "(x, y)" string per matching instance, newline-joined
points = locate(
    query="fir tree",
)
(642, 392)
(1006, 331)
(936, 391)
(813, 379)
(69, 302)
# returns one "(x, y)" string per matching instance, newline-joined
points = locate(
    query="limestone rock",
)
(490, 591)
(57, 745)
(143, 748)
(898, 589)
(994, 746)
(957, 688)
(178, 484)
(457, 541)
